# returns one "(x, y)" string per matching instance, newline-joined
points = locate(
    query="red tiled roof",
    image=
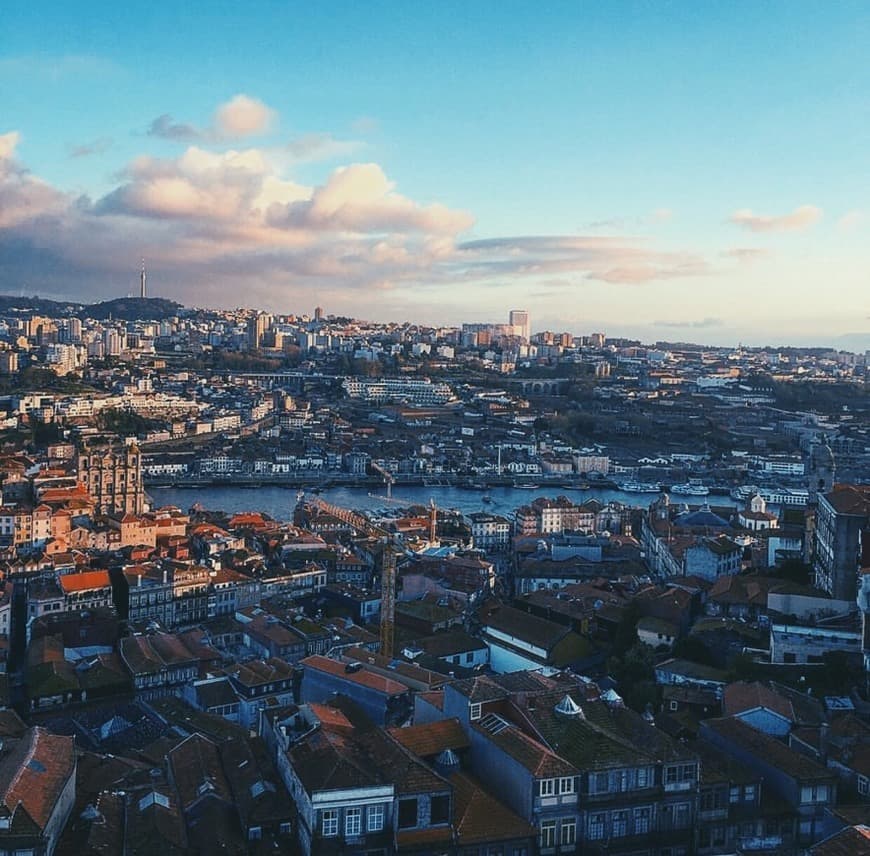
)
(851, 841)
(84, 581)
(35, 773)
(850, 499)
(432, 737)
(433, 697)
(741, 696)
(479, 817)
(362, 677)
(330, 717)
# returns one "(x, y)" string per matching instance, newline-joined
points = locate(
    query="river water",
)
(279, 502)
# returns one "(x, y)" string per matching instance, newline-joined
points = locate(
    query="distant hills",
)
(121, 308)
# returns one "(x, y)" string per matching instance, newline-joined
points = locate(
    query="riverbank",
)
(328, 480)
(279, 503)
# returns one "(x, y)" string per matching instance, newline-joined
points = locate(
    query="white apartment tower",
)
(519, 320)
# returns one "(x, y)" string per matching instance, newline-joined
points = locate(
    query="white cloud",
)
(243, 116)
(8, 143)
(216, 224)
(801, 218)
(745, 254)
(850, 220)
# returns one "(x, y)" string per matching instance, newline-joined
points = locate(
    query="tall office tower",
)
(318, 313)
(112, 474)
(142, 280)
(842, 515)
(519, 320)
(257, 326)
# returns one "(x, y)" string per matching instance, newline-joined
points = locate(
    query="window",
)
(352, 822)
(439, 809)
(408, 813)
(687, 773)
(641, 820)
(596, 827)
(329, 822)
(643, 777)
(863, 786)
(568, 831)
(814, 793)
(548, 833)
(599, 783)
(469, 657)
(674, 704)
(749, 793)
(734, 794)
(255, 833)
(619, 823)
(375, 820)
(682, 816)
(672, 775)
(566, 786)
(284, 829)
(474, 711)
(546, 787)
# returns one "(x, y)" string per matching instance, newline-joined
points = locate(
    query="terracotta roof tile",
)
(362, 677)
(35, 773)
(851, 841)
(479, 817)
(431, 738)
(84, 581)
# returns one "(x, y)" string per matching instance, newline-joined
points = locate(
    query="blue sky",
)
(663, 170)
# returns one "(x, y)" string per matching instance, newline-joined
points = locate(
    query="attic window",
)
(36, 765)
(474, 710)
(260, 787)
(493, 723)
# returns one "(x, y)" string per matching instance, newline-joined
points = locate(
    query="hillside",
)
(121, 308)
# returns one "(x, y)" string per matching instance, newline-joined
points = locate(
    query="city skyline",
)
(659, 172)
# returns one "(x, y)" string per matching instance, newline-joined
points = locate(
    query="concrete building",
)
(841, 516)
(490, 531)
(519, 320)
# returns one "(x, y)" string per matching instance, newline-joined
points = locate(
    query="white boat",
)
(792, 496)
(641, 487)
(690, 489)
(526, 486)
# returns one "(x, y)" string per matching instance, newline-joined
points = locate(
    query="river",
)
(279, 502)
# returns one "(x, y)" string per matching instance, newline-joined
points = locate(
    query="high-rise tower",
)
(519, 320)
(142, 280)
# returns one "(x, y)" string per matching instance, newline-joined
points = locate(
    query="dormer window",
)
(546, 787)
(474, 711)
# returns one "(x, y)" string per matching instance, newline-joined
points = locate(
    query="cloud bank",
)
(224, 222)
(796, 221)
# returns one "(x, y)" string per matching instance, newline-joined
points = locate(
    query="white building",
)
(490, 531)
